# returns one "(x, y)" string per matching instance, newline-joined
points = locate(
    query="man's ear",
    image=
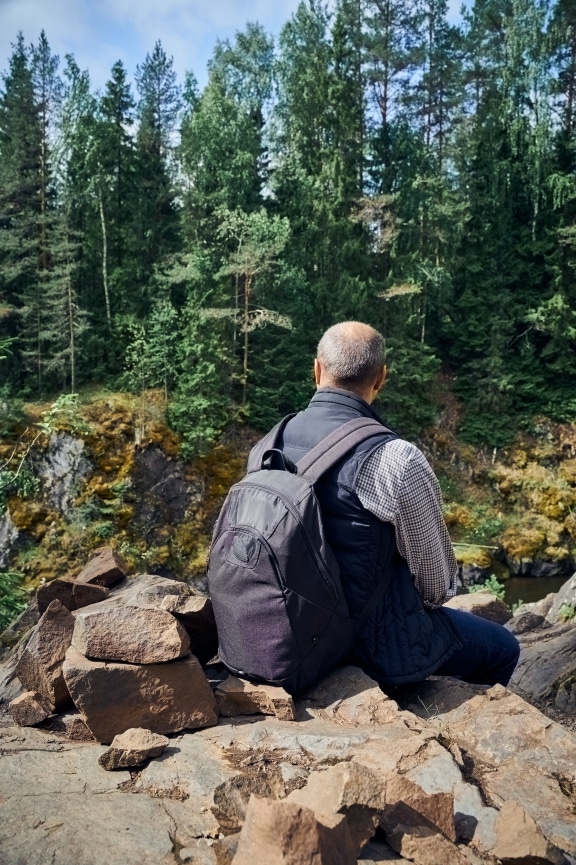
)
(317, 371)
(379, 383)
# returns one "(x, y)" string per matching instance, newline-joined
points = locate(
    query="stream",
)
(530, 589)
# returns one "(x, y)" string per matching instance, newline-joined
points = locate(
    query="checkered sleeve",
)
(398, 486)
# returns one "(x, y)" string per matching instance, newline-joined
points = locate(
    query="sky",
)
(100, 32)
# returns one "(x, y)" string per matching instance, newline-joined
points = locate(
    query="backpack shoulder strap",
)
(267, 443)
(336, 445)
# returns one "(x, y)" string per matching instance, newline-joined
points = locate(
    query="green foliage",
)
(516, 605)
(64, 413)
(378, 163)
(13, 598)
(567, 612)
(491, 585)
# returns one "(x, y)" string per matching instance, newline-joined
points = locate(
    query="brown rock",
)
(29, 709)
(195, 613)
(163, 698)
(132, 748)
(349, 696)
(142, 590)
(238, 697)
(519, 840)
(283, 833)
(349, 789)
(105, 569)
(404, 797)
(424, 846)
(231, 799)
(130, 634)
(40, 665)
(71, 594)
(71, 726)
(482, 604)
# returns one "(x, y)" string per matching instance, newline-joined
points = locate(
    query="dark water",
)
(530, 589)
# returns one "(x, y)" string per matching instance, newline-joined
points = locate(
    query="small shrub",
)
(567, 612)
(13, 598)
(491, 585)
(516, 605)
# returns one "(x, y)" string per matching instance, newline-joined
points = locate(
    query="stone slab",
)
(163, 698)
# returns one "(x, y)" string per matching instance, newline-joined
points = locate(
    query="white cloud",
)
(99, 33)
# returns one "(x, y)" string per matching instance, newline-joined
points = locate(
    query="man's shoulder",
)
(399, 448)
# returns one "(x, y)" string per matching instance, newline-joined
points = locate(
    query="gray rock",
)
(62, 466)
(547, 667)
(8, 538)
(524, 749)
(563, 599)
(525, 622)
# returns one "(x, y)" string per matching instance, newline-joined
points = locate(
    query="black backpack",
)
(274, 581)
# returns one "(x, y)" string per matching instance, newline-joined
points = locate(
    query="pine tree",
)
(156, 234)
(20, 151)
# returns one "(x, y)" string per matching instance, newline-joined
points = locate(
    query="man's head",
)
(351, 356)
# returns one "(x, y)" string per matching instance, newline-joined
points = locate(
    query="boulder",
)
(143, 590)
(232, 796)
(408, 803)
(40, 665)
(525, 622)
(421, 844)
(29, 709)
(563, 601)
(524, 749)
(547, 667)
(237, 696)
(163, 698)
(519, 840)
(195, 613)
(130, 634)
(71, 726)
(105, 569)
(71, 594)
(132, 748)
(349, 696)
(349, 789)
(283, 833)
(482, 604)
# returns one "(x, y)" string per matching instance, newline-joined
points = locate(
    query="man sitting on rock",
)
(382, 511)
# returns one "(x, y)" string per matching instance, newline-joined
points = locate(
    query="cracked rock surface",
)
(448, 775)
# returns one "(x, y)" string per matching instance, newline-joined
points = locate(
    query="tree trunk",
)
(105, 260)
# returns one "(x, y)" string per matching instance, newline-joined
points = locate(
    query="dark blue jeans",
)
(489, 652)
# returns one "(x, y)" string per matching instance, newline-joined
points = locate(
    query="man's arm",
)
(398, 486)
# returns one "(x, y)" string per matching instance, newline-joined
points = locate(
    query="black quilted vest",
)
(403, 641)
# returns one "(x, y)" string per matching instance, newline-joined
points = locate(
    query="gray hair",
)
(351, 353)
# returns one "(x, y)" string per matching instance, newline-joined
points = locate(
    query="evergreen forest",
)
(375, 162)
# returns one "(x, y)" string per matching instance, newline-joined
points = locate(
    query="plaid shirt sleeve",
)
(398, 486)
